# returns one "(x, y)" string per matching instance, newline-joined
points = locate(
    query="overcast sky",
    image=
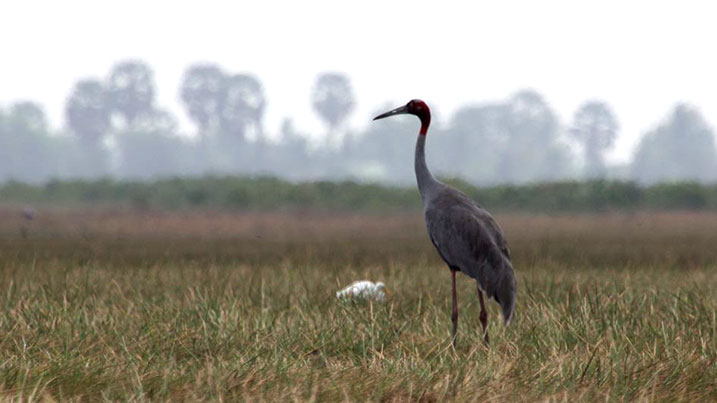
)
(639, 56)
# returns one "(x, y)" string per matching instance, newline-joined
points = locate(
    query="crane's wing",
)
(459, 229)
(468, 239)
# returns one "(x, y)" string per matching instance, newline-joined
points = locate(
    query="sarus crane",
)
(466, 236)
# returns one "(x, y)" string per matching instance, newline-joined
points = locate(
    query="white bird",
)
(363, 289)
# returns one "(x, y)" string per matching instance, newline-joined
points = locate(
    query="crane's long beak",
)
(398, 111)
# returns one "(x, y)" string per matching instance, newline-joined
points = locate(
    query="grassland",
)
(128, 305)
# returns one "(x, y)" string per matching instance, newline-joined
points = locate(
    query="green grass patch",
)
(609, 308)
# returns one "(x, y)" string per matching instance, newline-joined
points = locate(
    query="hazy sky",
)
(639, 56)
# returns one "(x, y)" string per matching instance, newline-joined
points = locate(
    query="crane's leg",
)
(483, 317)
(454, 313)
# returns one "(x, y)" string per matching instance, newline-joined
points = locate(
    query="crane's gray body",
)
(466, 236)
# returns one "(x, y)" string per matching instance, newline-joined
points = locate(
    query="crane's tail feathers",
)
(505, 295)
(508, 307)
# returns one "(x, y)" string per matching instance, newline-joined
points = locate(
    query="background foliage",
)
(269, 193)
(116, 128)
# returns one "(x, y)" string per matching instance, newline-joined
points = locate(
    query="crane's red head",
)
(413, 107)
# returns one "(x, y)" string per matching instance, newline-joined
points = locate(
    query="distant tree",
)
(28, 117)
(288, 130)
(156, 121)
(150, 147)
(681, 149)
(88, 116)
(289, 158)
(384, 151)
(531, 118)
(202, 91)
(467, 147)
(333, 100)
(87, 112)
(243, 106)
(532, 152)
(595, 126)
(130, 89)
(24, 151)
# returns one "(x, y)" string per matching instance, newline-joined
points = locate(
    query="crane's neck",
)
(426, 181)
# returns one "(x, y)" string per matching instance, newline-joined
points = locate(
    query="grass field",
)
(127, 305)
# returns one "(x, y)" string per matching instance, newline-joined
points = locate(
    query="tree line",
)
(272, 194)
(116, 129)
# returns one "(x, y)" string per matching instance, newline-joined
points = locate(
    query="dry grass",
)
(123, 305)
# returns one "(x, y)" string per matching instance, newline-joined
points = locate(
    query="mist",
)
(116, 128)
